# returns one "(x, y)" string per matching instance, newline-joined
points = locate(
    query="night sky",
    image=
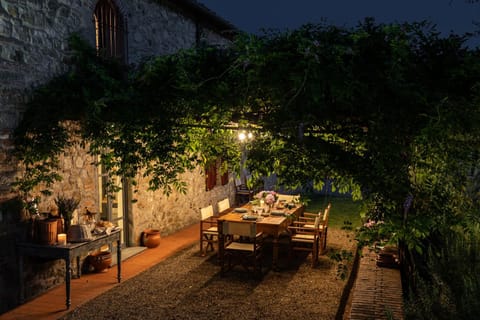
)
(455, 16)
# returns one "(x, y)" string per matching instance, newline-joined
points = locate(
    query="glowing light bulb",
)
(242, 136)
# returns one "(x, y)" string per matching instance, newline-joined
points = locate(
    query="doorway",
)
(114, 207)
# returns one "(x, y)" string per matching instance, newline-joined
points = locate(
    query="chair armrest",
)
(303, 223)
(307, 226)
(304, 230)
(297, 227)
(310, 215)
(306, 219)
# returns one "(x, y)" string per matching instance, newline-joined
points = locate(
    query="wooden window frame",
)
(110, 30)
(211, 175)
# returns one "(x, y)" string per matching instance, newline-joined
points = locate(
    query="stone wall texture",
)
(176, 211)
(33, 49)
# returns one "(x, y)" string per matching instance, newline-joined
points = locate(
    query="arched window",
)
(109, 30)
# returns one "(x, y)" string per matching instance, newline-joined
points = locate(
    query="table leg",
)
(275, 253)
(79, 270)
(201, 239)
(221, 245)
(119, 261)
(68, 270)
(20, 277)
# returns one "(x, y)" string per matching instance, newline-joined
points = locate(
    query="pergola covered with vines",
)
(388, 113)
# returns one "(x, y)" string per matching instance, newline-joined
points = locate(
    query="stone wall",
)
(80, 181)
(33, 49)
(154, 29)
(168, 31)
(172, 213)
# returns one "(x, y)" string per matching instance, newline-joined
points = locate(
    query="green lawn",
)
(343, 209)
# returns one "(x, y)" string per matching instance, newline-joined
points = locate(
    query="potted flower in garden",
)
(66, 207)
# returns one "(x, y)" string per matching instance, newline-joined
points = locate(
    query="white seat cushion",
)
(240, 246)
(303, 237)
(320, 227)
(211, 231)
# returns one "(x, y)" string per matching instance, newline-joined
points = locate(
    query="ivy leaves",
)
(326, 102)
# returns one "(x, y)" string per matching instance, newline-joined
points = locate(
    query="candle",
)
(62, 239)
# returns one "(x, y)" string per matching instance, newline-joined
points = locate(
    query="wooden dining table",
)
(270, 224)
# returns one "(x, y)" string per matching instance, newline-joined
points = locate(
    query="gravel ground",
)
(188, 286)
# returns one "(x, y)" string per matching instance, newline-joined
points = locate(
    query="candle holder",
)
(62, 239)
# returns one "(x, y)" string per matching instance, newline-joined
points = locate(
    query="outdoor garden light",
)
(242, 136)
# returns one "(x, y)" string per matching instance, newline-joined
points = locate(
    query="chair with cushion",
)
(208, 229)
(223, 205)
(309, 221)
(243, 246)
(309, 235)
(288, 197)
(309, 218)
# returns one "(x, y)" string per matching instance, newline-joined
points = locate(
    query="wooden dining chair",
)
(309, 235)
(288, 197)
(223, 205)
(208, 229)
(242, 193)
(243, 246)
(324, 230)
(309, 218)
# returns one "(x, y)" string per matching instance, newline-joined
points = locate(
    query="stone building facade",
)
(33, 49)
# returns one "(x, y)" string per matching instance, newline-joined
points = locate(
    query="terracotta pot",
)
(151, 238)
(101, 260)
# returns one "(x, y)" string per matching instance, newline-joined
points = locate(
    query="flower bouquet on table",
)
(267, 197)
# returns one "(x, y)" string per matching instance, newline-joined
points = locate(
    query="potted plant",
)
(66, 207)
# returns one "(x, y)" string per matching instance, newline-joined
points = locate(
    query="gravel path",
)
(187, 286)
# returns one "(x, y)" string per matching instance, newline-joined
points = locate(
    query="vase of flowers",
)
(268, 197)
(66, 207)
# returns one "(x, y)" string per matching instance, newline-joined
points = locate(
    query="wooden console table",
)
(68, 252)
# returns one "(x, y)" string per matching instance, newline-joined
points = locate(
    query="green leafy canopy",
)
(361, 107)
